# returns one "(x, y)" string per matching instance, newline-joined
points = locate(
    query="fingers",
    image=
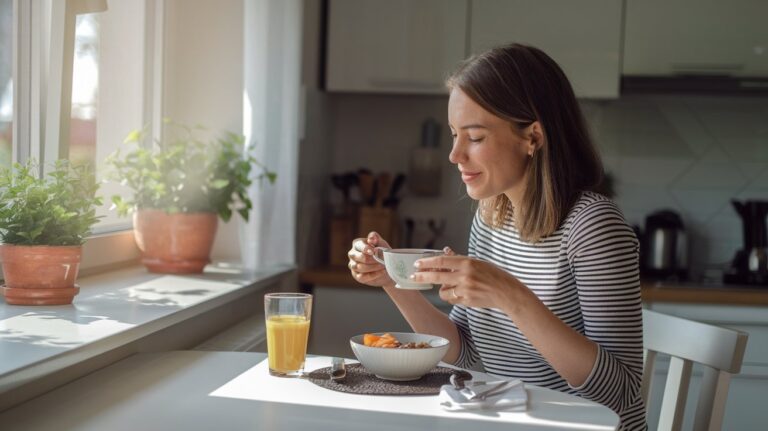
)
(374, 239)
(434, 277)
(365, 277)
(361, 245)
(449, 251)
(364, 267)
(452, 262)
(449, 294)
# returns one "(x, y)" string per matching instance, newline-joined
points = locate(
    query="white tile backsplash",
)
(692, 154)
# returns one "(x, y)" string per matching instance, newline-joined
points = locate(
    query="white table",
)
(192, 390)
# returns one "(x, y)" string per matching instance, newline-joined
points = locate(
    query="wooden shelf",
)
(339, 276)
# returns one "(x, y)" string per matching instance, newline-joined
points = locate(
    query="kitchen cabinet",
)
(407, 46)
(712, 37)
(584, 37)
(394, 46)
(745, 408)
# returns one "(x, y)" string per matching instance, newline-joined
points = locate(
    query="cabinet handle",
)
(708, 68)
(406, 83)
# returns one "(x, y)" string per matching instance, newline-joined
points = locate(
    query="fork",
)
(494, 390)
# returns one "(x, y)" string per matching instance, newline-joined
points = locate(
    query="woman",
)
(550, 291)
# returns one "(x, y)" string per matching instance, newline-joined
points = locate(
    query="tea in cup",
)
(399, 264)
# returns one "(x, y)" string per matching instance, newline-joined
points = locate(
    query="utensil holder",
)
(381, 220)
(343, 228)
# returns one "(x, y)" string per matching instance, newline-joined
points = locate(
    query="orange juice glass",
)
(288, 316)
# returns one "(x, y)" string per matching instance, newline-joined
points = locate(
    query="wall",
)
(314, 155)
(203, 78)
(692, 154)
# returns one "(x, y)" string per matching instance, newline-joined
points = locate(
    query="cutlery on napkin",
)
(507, 395)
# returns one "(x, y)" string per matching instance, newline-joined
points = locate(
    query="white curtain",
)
(271, 114)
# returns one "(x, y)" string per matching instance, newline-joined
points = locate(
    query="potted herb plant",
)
(44, 222)
(181, 187)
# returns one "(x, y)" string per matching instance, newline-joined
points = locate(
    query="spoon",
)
(338, 370)
(497, 389)
(458, 378)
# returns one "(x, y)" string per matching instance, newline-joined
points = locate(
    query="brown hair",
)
(522, 84)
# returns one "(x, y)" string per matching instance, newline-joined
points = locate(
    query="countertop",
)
(652, 291)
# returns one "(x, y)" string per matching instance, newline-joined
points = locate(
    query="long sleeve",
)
(603, 254)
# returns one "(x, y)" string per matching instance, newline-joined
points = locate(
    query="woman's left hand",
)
(467, 281)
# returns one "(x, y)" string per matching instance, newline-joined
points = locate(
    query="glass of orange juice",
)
(288, 316)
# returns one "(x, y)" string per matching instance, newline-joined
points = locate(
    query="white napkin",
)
(514, 398)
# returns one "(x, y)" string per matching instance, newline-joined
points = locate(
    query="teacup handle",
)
(376, 251)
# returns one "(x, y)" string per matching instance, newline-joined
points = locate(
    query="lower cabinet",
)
(746, 405)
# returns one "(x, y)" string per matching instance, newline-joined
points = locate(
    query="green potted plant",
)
(44, 222)
(181, 187)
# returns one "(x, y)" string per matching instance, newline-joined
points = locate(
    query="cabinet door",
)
(583, 36)
(664, 37)
(394, 46)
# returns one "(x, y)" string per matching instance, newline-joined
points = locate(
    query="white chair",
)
(720, 351)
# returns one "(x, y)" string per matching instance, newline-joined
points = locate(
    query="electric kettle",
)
(664, 251)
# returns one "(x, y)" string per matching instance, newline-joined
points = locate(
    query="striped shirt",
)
(587, 274)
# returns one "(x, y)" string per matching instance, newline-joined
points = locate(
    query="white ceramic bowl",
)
(400, 364)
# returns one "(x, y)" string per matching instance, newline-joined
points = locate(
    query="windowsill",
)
(112, 310)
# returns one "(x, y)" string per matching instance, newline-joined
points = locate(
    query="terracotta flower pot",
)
(41, 274)
(174, 243)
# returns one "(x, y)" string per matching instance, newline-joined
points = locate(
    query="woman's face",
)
(491, 156)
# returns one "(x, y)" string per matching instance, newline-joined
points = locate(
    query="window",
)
(85, 91)
(108, 91)
(85, 113)
(6, 82)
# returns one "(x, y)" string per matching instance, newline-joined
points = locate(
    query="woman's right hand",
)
(364, 268)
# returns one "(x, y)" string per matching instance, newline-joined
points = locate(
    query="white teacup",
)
(399, 264)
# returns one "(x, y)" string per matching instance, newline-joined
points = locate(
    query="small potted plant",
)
(181, 187)
(44, 222)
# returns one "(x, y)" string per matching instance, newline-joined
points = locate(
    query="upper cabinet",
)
(713, 37)
(394, 46)
(410, 46)
(583, 37)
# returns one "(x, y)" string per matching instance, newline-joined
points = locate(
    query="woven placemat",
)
(361, 381)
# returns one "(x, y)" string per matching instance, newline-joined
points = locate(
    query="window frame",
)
(43, 46)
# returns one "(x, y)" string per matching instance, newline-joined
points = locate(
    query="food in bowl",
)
(388, 341)
(400, 364)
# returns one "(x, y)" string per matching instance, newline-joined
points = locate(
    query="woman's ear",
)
(535, 137)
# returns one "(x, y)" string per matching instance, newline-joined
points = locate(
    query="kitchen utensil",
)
(344, 183)
(750, 264)
(494, 390)
(338, 369)
(366, 183)
(458, 378)
(383, 183)
(392, 200)
(665, 248)
(437, 230)
(409, 225)
(340, 183)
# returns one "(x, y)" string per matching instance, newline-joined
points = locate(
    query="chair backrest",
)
(719, 351)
